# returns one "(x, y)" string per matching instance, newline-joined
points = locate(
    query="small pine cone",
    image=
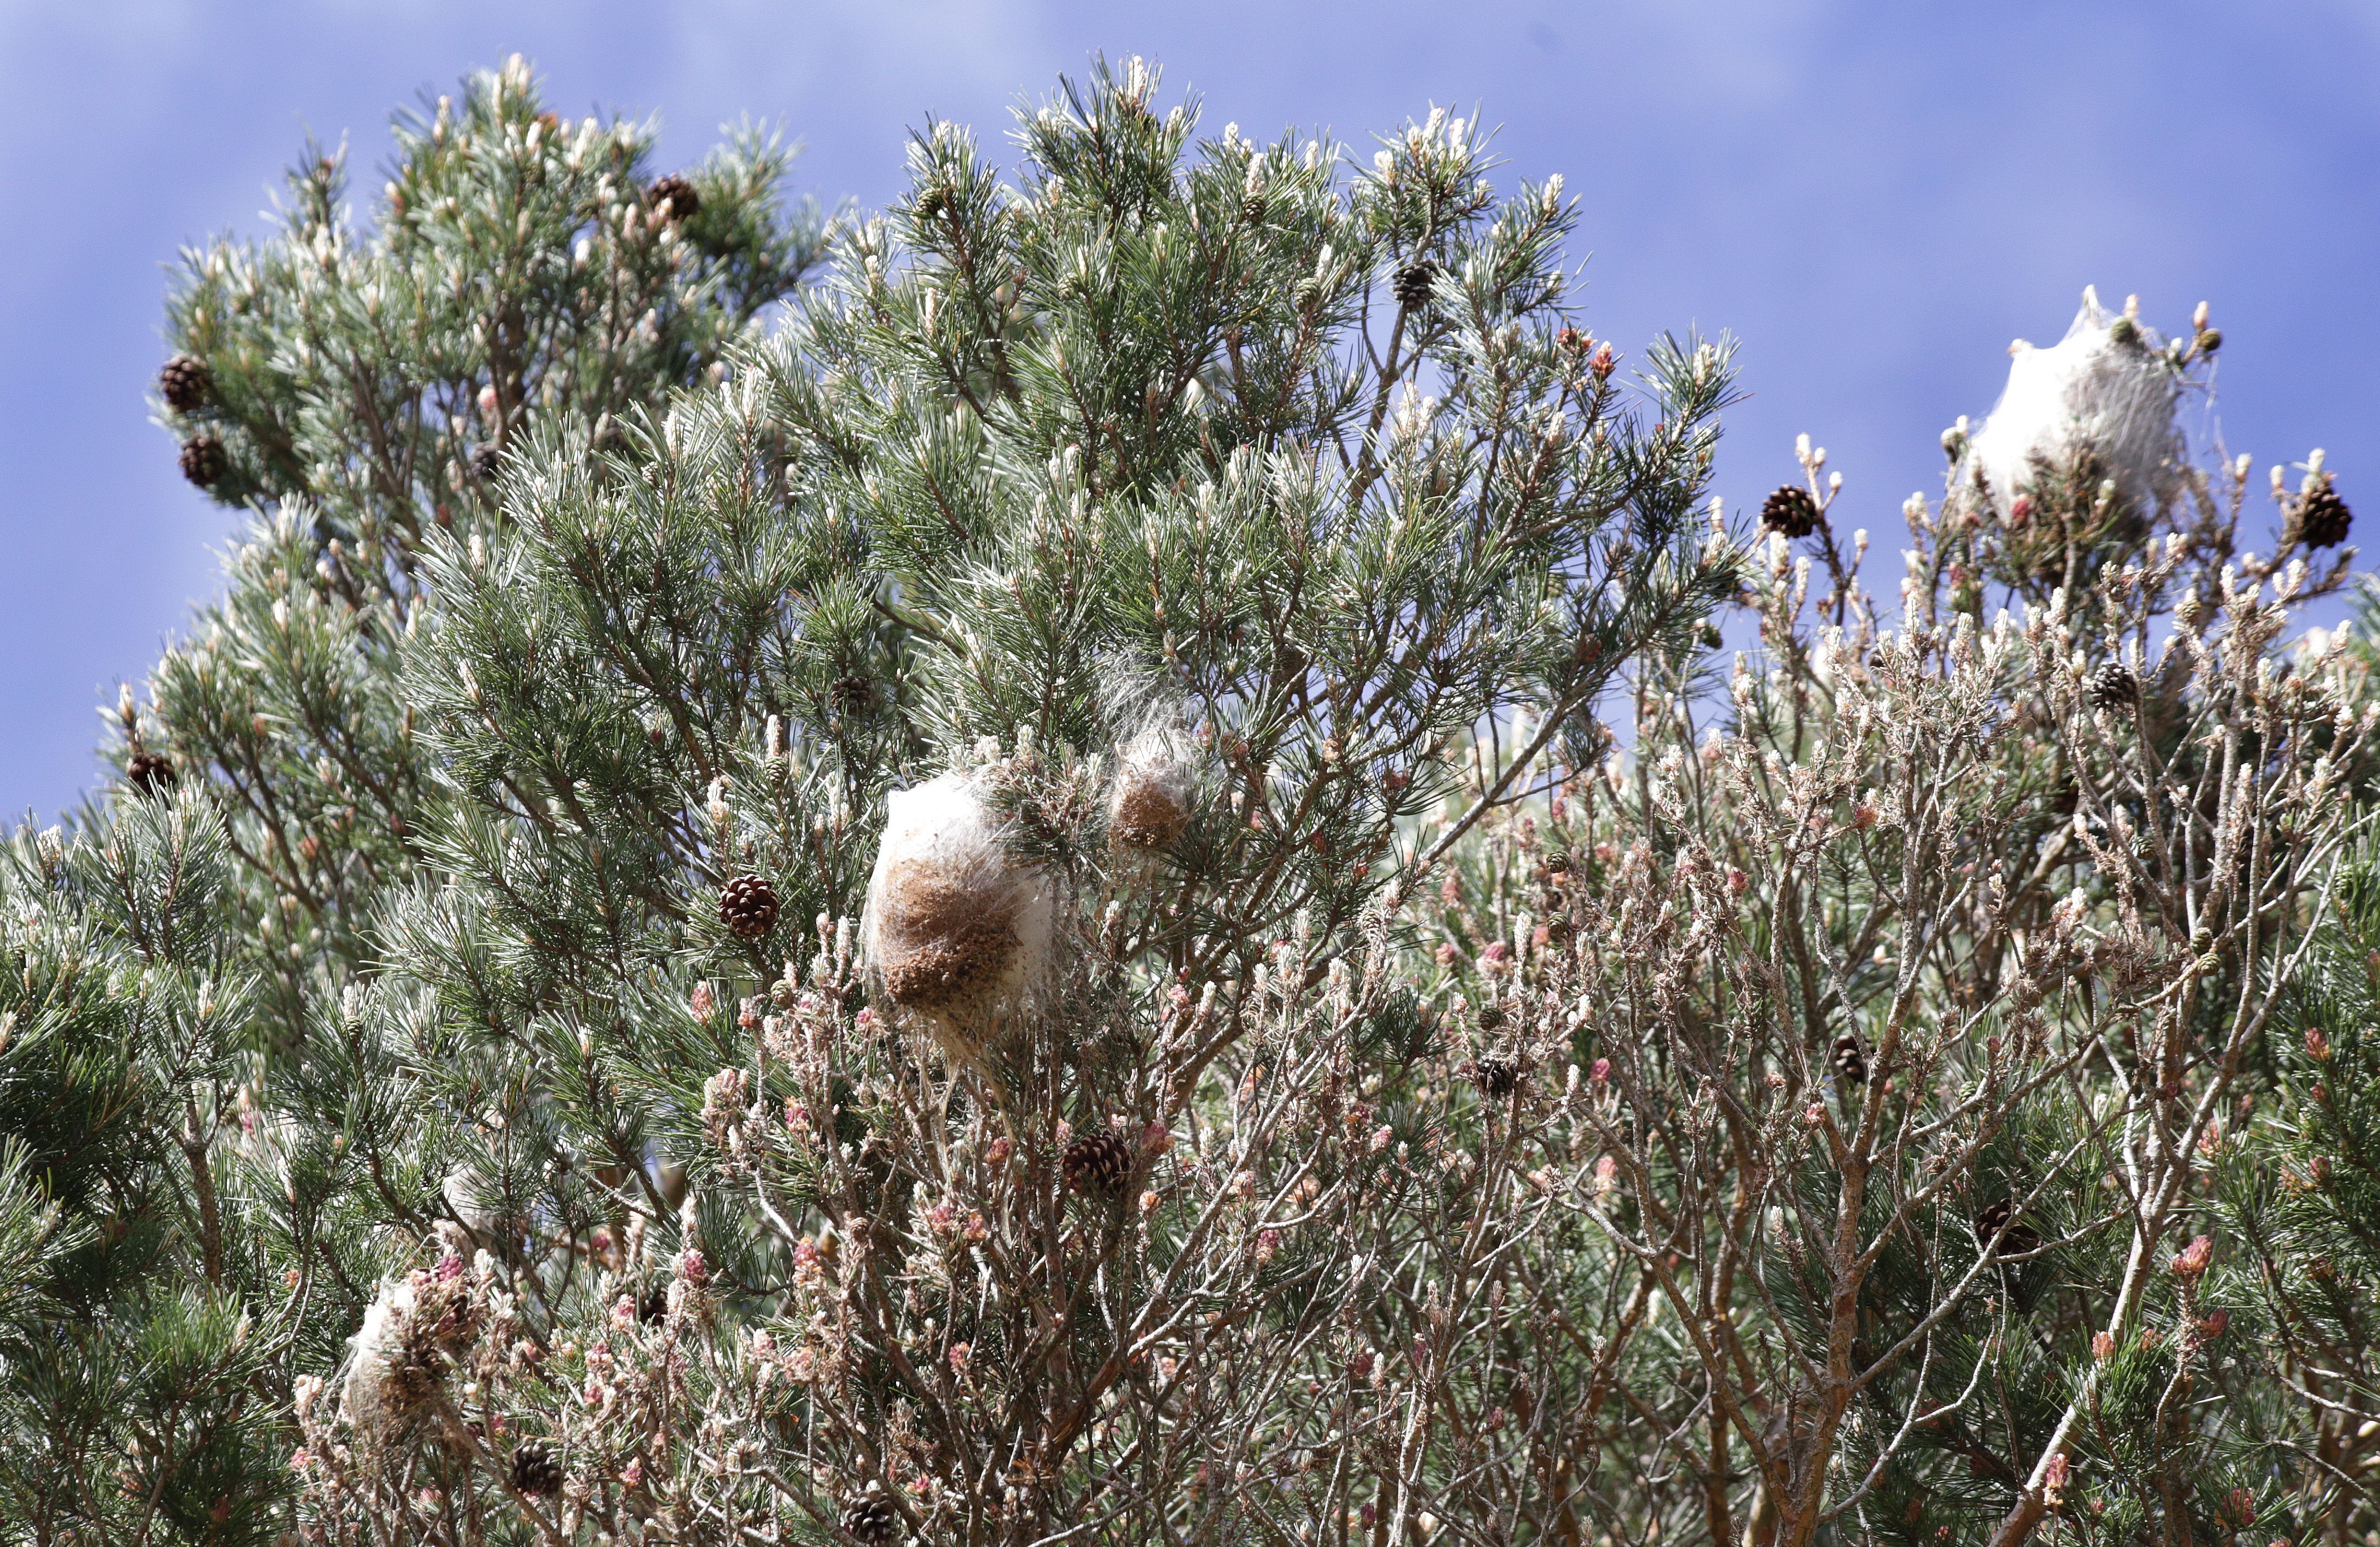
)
(2015, 1239)
(2323, 518)
(872, 1521)
(185, 383)
(1789, 510)
(748, 906)
(152, 773)
(851, 693)
(1490, 1016)
(1498, 1078)
(1414, 282)
(204, 461)
(485, 460)
(537, 1471)
(2113, 687)
(1849, 1060)
(674, 197)
(1097, 1163)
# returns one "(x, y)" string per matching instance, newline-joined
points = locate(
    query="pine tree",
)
(1137, 487)
(357, 389)
(1004, 909)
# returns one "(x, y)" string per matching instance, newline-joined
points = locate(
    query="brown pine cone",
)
(1789, 510)
(2113, 687)
(185, 383)
(2323, 518)
(1849, 1060)
(872, 1521)
(204, 461)
(1097, 1164)
(152, 773)
(2016, 1240)
(748, 906)
(537, 1470)
(1414, 282)
(674, 197)
(1498, 1078)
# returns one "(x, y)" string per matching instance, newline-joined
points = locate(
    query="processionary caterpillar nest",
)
(1151, 800)
(2106, 392)
(957, 931)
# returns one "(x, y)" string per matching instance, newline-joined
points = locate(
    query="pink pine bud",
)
(450, 1268)
(701, 1003)
(633, 1473)
(1497, 951)
(623, 1313)
(2215, 1324)
(1599, 1071)
(692, 1268)
(865, 1020)
(2193, 1258)
(960, 1354)
(2103, 1346)
(2318, 1045)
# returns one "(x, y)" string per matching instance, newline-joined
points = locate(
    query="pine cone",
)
(851, 693)
(1849, 1060)
(2016, 1240)
(152, 773)
(1414, 282)
(748, 906)
(1498, 1078)
(1097, 1163)
(2323, 518)
(872, 1521)
(2113, 687)
(674, 197)
(536, 1470)
(485, 460)
(1490, 1016)
(204, 462)
(185, 383)
(1791, 511)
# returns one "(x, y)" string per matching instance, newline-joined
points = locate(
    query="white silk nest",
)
(2096, 392)
(958, 933)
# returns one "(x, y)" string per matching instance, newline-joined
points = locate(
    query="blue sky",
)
(1874, 198)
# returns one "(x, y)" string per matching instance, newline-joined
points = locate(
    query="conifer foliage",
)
(1000, 910)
